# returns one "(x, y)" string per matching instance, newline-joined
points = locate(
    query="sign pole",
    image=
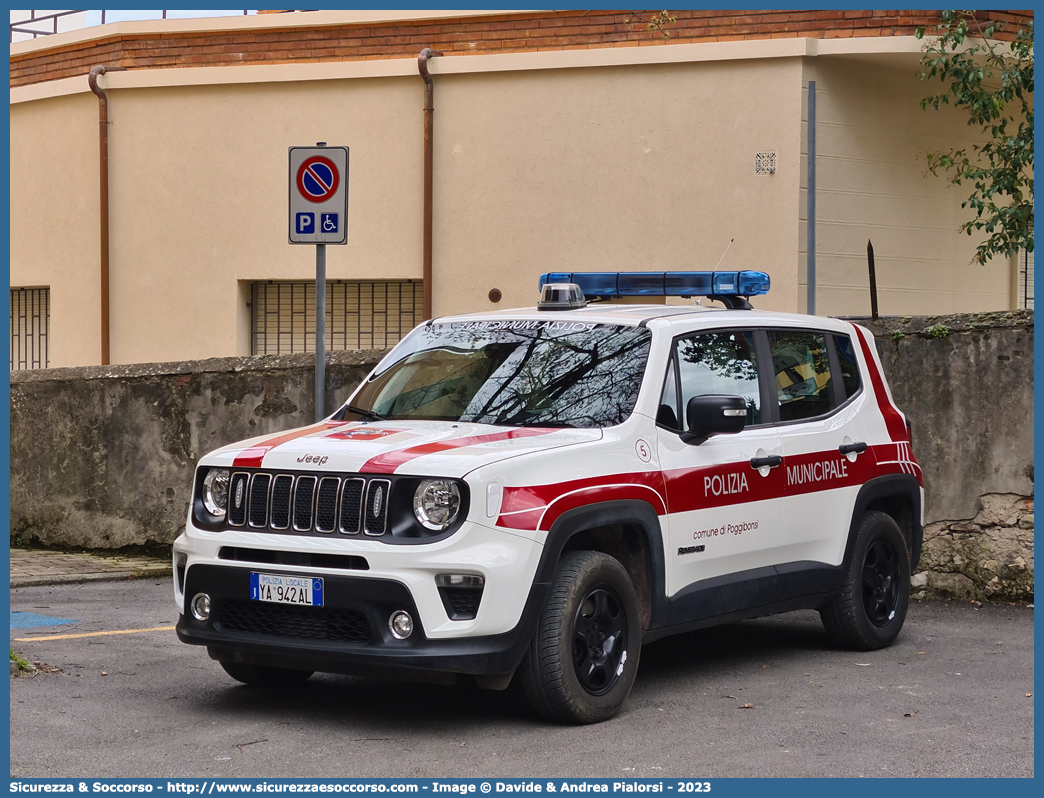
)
(320, 332)
(320, 326)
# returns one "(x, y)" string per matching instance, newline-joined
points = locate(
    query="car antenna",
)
(723, 254)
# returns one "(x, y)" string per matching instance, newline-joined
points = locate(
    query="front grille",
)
(259, 499)
(310, 623)
(237, 498)
(281, 490)
(377, 495)
(303, 494)
(326, 504)
(351, 506)
(309, 503)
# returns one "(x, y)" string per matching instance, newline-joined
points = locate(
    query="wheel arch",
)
(898, 496)
(626, 529)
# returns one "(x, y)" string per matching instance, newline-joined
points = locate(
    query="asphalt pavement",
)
(766, 697)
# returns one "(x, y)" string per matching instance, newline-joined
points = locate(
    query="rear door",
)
(817, 400)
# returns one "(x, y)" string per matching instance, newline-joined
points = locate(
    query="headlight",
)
(436, 503)
(215, 491)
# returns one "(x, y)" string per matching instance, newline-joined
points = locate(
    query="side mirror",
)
(713, 414)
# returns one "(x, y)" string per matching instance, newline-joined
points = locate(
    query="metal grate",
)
(765, 163)
(359, 314)
(30, 328)
(1026, 277)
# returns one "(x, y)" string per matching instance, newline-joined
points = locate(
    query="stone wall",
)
(966, 383)
(103, 457)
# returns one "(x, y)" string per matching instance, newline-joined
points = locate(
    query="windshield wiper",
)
(367, 414)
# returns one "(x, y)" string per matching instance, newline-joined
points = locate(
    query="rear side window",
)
(849, 366)
(802, 367)
(719, 363)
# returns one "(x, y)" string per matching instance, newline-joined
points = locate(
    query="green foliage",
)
(23, 664)
(938, 331)
(991, 81)
(898, 335)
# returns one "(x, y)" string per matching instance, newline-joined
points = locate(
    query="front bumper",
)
(349, 634)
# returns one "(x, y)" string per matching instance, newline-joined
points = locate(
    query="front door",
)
(724, 495)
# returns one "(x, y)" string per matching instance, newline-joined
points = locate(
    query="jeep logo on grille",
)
(239, 493)
(378, 497)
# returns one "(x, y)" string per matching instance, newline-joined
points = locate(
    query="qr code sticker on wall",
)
(765, 163)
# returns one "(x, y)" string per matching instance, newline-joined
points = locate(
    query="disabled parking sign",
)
(318, 195)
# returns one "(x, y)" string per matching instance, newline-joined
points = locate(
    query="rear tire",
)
(265, 676)
(582, 661)
(869, 611)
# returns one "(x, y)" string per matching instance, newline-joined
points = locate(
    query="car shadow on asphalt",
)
(387, 705)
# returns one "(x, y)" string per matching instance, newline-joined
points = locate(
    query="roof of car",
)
(644, 315)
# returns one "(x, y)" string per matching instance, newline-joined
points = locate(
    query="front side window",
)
(719, 363)
(520, 373)
(802, 368)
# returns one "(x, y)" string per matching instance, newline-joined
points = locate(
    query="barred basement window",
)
(30, 328)
(1026, 277)
(360, 314)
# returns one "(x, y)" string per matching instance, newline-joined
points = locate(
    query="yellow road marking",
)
(93, 634)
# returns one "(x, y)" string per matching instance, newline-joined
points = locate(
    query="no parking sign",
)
(318, 195)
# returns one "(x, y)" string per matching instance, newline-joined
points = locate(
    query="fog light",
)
(201, 606)
(401, 624)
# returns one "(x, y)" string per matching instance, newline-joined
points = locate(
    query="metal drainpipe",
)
(103, 142)
(429, 124)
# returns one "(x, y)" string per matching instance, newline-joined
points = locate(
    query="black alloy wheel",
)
(869, 610)
(880, 582)
(599, 640)
(583, 658)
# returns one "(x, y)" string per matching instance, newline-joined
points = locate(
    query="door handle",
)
(847, 448)
(771, 461)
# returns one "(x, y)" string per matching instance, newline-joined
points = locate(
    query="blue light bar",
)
(608, 285)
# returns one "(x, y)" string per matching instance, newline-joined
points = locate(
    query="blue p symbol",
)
(306, 223)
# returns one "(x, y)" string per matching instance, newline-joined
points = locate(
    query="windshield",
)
(511, 373)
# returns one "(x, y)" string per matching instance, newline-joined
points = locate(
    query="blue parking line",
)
(30, 620)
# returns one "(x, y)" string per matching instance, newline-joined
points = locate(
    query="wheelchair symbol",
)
(329, 222)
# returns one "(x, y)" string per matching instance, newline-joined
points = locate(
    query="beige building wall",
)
(643, 168)
(54, 218)
(199, 202)
(873, 184)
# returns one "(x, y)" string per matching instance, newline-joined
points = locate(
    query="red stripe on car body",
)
(388, 462)
(687, 489)
(252, 456)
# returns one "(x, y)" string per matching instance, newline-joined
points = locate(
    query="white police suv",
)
(538, 492)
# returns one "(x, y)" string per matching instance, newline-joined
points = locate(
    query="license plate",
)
(303, 590)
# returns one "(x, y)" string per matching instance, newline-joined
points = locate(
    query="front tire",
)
(869, 611)
(582, 661)
(265, 676)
